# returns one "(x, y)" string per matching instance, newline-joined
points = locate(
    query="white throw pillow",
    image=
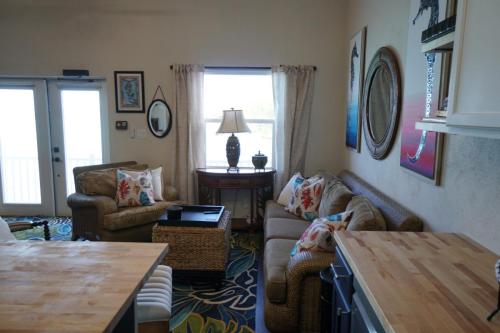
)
(289, 189)
(158, 183)
(5, 234)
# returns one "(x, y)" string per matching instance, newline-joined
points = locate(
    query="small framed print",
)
(129, 91)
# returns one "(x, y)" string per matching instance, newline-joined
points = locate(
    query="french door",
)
(47, 127)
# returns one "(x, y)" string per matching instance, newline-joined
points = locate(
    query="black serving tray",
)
(195, 216)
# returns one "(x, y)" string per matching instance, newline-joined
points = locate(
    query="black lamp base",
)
(233, 152)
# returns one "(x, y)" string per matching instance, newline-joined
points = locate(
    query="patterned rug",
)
(198, 307)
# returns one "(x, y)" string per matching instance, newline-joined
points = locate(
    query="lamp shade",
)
(233, 121)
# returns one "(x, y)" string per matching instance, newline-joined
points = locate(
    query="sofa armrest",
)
(104, 205)
(171, 193)
(300, 266)
(307, 263)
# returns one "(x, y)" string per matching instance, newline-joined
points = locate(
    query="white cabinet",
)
(474, 93)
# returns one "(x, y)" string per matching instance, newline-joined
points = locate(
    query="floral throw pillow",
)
(134, 188)
(318, 237)
(306, 198)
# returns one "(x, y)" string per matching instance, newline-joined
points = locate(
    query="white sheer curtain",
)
(189, 129)
(293, 91)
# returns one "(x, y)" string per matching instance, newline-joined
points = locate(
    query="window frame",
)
(244, 71)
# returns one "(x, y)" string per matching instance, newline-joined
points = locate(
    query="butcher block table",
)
(420, 282)
(73, 286)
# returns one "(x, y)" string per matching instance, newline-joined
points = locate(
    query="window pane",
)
(252, 93)
(18, 147)
(82, 131)
(261, 138)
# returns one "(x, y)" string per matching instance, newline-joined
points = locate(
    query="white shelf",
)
(442, 127)
(441, 44)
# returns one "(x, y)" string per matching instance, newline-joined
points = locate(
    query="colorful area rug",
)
(60, 228)
(198, 307)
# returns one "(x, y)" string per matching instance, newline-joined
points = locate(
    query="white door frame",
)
(47, 206)
(57, 137)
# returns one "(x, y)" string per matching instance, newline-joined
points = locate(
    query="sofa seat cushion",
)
(128, 217)
(276, 257)
(275, 210)
(280, 228)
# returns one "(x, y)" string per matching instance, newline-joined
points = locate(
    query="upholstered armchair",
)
(97, 216)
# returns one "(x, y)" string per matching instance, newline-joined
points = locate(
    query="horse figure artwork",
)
(433, 5)
(426, 4)
(354, 54)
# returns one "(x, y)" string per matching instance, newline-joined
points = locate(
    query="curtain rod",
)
(238, 67)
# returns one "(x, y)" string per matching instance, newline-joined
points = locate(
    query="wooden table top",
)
(424, 282)
(71, 286)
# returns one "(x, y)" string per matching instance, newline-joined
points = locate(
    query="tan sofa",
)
(97, 217)
(292, 285)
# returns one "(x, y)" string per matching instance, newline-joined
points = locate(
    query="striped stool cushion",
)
(154, 301)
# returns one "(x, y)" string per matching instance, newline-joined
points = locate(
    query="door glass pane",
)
(82, 131)
(18, 147)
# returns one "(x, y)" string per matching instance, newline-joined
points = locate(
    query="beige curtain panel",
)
(189, 129)
(293, 93)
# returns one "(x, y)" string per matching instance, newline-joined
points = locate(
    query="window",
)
(250, 90)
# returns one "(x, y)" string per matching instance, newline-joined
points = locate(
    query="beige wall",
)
(468, 199)
(43, 37)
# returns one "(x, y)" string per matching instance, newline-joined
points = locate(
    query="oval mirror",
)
(381, 103)
(159, 118)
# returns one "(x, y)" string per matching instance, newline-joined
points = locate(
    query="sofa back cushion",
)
(102, 181)
(98, 182)
(397, 217)
(365, 216)
(335, 198)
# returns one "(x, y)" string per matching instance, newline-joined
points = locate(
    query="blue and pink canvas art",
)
(420, 149)
(355, 88)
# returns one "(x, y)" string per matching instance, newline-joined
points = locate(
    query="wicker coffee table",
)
(195, 249)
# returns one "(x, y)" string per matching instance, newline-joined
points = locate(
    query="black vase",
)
(233, 152)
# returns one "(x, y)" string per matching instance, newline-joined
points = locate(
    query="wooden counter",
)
(424, 282)
(71, 286)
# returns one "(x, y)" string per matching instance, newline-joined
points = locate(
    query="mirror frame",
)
(169, 127)
(383, 57)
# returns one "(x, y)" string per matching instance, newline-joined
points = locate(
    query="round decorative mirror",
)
(381, 103)
(159, 118)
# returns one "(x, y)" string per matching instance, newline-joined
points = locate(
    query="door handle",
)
(56, 159)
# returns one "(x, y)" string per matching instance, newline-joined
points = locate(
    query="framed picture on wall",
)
(354, 90)
(129, 91)
(421, 150)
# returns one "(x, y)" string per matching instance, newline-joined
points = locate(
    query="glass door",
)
(25, 164)
(76, 132)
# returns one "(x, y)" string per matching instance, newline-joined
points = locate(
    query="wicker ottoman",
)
(196, 249)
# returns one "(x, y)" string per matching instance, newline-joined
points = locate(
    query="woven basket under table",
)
(194, 248)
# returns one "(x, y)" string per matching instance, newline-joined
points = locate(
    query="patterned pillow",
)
(289, 189)
(306, 198)
(134, 188)
(318, 237)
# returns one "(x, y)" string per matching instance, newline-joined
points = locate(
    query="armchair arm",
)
(104, 205)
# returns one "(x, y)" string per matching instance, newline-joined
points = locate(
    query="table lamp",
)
(233, 121)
